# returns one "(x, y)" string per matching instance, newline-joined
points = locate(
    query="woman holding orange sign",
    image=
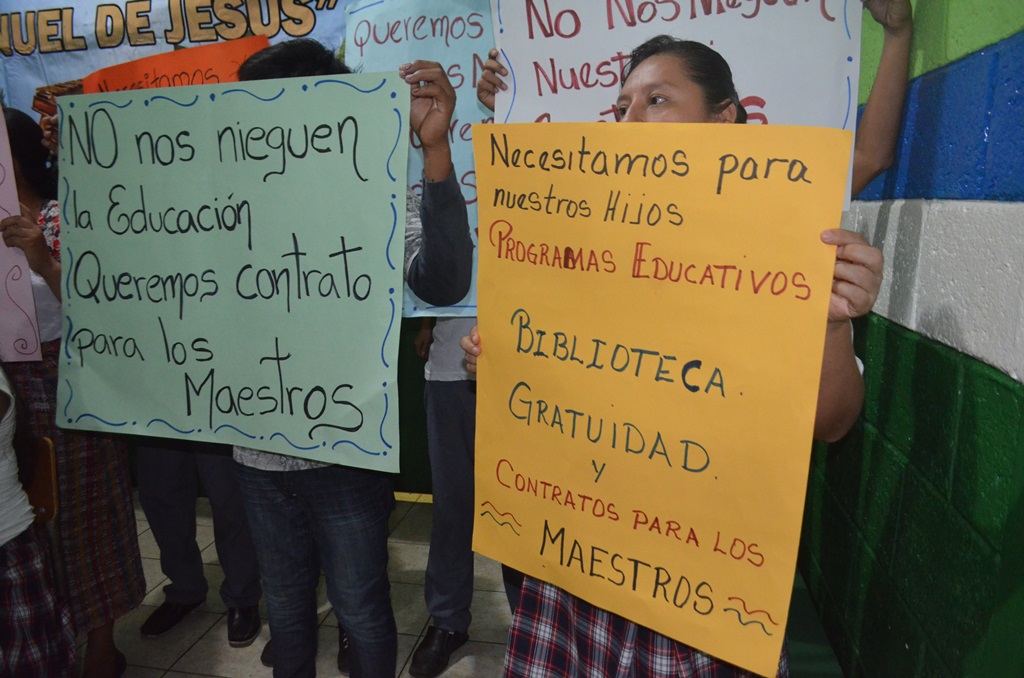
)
(666, 80)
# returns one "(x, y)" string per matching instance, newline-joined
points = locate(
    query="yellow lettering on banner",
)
(200, 22)
(653, 299)
(176, 33)
(17, 35)
(109, 26)
(233, 24)
(137, 18)
(48, 30)
(268, 25)
(5, 34)
(72, 42)
(51, 30)
(301, 18)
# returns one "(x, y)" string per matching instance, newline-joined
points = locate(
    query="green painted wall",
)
(944, 31)
(913, 543)
(414, 474)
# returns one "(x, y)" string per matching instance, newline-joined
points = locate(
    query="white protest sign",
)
(794, 62)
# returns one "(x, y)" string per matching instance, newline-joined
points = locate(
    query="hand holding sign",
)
(432, 107)
(471, 345)
(49, 124)
(491, 82)
(21, 231)
(857, 277)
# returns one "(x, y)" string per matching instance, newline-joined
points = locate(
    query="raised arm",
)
(879, 127)
(438, 248)
(433, 104)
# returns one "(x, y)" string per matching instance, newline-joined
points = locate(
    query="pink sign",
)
(19, 332)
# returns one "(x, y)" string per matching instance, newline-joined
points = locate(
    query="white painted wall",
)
(954, 272)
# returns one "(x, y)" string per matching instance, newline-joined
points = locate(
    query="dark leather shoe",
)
(433, 654)
(243, 625)
(166, 617)
(267, 656)
(343, 663)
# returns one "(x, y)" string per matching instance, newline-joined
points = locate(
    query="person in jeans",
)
(307, 515)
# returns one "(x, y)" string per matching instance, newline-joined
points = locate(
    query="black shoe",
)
(343, 663)
(433, 654)
(166, 617)
(243, 625)
(267, 656)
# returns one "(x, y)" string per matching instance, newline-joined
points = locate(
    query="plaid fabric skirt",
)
(556, 635)
(36, 638)
(98, 537)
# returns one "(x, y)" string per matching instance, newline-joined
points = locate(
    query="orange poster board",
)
(652, 308)
(203, 65)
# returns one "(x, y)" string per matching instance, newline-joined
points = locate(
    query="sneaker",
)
(435, 651)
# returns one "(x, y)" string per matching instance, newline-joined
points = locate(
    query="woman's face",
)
(660, 90)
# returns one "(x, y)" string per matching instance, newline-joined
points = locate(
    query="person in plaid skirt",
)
(35, 629)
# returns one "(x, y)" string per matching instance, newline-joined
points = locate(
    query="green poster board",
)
(232, 261)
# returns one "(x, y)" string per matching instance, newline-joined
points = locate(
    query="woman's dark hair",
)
(33, 158)
(706, 68)
(292, 59)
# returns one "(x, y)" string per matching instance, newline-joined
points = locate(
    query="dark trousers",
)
(168, 476)
(451, 427)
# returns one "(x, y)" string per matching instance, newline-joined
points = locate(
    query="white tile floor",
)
(199, 647)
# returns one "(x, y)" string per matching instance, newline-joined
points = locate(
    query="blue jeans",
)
(335, 517)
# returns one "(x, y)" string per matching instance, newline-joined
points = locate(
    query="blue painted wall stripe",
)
(963, 131)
